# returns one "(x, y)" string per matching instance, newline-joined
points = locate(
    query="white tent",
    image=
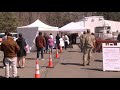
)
(31, 31)
(73, 27)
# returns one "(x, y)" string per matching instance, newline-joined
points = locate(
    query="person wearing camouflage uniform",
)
(88, 45)
(81, 40)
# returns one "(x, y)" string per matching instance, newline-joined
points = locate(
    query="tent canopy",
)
(31, 31)
(73, 27)
(41, 26)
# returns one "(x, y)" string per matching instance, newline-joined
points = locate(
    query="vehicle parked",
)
(14, 35)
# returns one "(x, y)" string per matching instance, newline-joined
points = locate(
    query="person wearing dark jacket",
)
(46, 39)
(40, 44)
(10, 49)
(118, 37)
(21, 53)
(57, 41)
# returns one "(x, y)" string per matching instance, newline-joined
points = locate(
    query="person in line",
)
(66, 41)
(57, 41)
(88, 45)
(22, 52)
(46, 39)
(51, 35)
(81, 40)
(118, 37)
(94, 49)
(40, 44)
(10, 49)
(50, 44)
(3, 39)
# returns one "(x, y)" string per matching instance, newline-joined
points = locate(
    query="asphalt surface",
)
(69, 65)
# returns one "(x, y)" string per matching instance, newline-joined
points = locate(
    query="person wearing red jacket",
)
(40, 44)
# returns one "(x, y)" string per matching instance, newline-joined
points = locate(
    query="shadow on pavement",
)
(1, 66)
(93, 69)
(2, 77)
(74, 51)
(30, 58)
(98, 60)
(43, 66)
(72, 64)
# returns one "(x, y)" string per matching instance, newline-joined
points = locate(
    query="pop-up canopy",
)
(73, 27)
(30, 32)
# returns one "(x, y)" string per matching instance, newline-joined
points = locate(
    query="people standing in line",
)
(118, 37)
(10, 49)
(22, 52)
(81, 40)
(66, 41)
(3, 39)
(70, 38)
(57, 41)
(40, 44)
(46, 39)
(94, 49)
(50, 44)
(88, 45)
(51, 35)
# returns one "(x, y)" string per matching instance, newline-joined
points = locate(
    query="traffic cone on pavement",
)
(57, 55)
(50, 64)
(37, 72)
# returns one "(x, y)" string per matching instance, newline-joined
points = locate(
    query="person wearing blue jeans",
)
(40, 44)
(38, 52)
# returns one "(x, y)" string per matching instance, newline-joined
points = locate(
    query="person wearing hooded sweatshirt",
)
(21, 53)
(50, 44)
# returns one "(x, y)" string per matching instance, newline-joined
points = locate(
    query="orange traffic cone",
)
(37, 72)
(50, 64)
(60, 49)
(57, 56)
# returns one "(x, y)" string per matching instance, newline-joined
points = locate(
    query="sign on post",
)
(111, 56)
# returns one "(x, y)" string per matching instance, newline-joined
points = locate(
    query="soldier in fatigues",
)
(88, 45)
(81, 40)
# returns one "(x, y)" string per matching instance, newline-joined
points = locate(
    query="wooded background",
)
(10, 20)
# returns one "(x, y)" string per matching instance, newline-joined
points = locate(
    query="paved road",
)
(67, 66)
(70, 67)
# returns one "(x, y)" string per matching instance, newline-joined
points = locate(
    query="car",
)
(14, 35)
(1, 36)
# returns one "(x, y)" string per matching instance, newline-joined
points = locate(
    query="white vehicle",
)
(14, 35)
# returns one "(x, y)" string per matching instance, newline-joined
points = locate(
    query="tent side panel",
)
(29, 34)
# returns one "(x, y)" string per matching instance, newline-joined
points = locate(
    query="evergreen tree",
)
(8, 22)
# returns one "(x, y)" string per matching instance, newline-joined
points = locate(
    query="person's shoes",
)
(10, 67)
(19, 67)
(22, 66)
(83, 64)
(16, 77)
(88, 64)
(42, 59)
